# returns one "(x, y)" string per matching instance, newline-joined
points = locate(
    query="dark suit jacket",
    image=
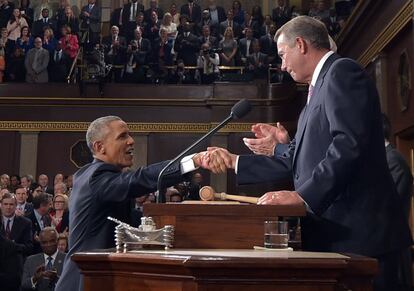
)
(196, 12)
(212, 40)
(187, 48)
(221, 13)
(29, 270)
(243, 46)
(126, 13)
(339, 167)
(401, 175)
(97, 189)
(237, 30)
(21, 235)
(10, 265)
(36, 230)
(58, 70)
(93, 21)
(39, 26)
(147, 14)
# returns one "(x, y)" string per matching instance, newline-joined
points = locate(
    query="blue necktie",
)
(49, 265)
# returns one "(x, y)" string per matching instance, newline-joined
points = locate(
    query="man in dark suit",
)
(281, 14)
(91, 21)
(40, 25)
(40, 218)
(193, 10)
(16, 236)
(114, 49)
(23, 207)
(246, 45)
(187, 46)
(117, 18)
(217, 13)
(41, 271)
(257, 61)
(153, 8)
(129, 15)
(237, 31)
(337, 159)
(403, 180)
(59, 64)
(103, 184)
(207, 37)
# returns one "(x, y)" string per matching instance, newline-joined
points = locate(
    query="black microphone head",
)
(241, 108)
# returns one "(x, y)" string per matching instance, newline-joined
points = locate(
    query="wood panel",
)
(10, 149)
(173, 271)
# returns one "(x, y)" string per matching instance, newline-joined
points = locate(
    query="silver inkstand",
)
(128, 238)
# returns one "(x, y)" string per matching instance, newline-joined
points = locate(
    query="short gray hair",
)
(97, 129)
(310, 29)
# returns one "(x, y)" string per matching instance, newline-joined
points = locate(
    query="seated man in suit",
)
(42, 271)
(103, 183)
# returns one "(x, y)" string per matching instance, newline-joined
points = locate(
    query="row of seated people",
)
(35, 234)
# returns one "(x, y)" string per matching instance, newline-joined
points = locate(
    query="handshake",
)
(267, 137)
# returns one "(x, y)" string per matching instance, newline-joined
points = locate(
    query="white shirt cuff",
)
(236, 166)
(187, 164)
(33, 283)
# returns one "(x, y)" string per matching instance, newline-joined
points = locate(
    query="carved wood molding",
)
(46, 126)
(404, 16)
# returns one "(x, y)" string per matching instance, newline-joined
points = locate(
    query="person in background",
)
(60, 214)
(36, 63)
(69, 43)
(25, 41)
(403, 180)
(41, 271)
(63, 243)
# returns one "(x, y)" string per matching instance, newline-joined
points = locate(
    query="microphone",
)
(239, 110)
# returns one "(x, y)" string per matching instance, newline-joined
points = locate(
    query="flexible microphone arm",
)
(161, 192)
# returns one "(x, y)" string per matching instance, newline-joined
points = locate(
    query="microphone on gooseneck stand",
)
(239, 110)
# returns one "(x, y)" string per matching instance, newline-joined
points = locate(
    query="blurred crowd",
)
(187, 44)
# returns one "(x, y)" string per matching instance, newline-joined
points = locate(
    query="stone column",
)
(28, 153)
(141, 150)
(219, 182)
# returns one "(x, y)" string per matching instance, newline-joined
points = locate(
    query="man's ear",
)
(98, 147)
(301, 44)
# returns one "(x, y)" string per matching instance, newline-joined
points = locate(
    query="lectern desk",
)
(218, 226)
(226, 270)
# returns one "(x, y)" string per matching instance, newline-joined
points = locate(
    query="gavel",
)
(207, 194)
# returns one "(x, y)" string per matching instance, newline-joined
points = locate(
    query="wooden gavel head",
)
(206, 193)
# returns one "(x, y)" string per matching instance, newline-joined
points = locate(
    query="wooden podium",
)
(213, 250)
(218, 226)
(226, 270)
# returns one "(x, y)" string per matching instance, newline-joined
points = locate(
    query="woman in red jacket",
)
(69, 42)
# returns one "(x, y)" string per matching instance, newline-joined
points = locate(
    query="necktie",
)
(190, 8)
(45, 221)
(90, 8)
(49, 265)
(310, 92)
(8, 231)
(134, 10)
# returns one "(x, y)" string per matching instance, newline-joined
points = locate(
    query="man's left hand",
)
(281, 198)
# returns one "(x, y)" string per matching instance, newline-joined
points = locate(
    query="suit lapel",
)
(303, 118)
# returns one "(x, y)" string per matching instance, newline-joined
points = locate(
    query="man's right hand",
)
(219, 160)
(267, 137)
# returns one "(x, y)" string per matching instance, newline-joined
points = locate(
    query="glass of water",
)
(276, 234)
